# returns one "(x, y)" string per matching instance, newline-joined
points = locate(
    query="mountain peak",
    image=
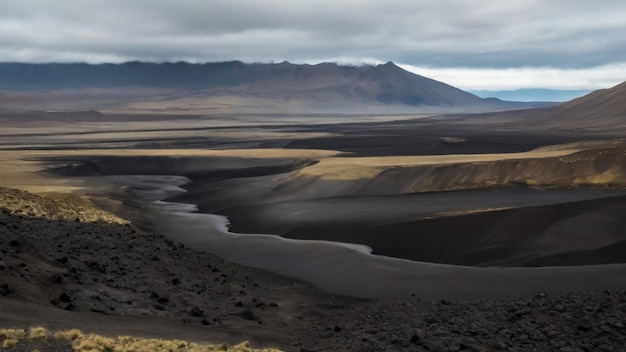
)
(389, 64)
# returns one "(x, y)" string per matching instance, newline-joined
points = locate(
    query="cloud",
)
(590, 78)
(478, 34)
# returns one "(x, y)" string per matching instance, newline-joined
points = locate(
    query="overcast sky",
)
(472, 44)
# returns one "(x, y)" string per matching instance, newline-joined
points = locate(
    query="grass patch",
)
(39, 338)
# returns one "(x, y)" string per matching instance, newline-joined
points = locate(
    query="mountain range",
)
(326, 84)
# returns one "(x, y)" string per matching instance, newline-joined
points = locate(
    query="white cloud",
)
(526, 77)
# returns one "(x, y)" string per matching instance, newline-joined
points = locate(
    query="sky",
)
(471, 44)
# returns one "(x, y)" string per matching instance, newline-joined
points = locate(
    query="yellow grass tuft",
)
(37, 332)
(96, 343)
(10, 337)
(70, 335)
(9, 343)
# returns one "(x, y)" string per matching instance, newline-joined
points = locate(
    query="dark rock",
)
(445, 302)
(56, 279)
(420, 334)
(196, 312)
(176, 281)
(583, 327)
(248, 314)
(415, 339)
(337, 329)
(5, 289)
(64, 297)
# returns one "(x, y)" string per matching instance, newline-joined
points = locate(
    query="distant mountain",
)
(602, 111)
(326, 83)
(531, 94)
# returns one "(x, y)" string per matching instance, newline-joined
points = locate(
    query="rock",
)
(421, 334)
(5, 289)
(248, 314)
(56, 279)
(64, 297)
(196, 312)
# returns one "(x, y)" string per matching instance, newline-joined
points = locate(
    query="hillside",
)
(168, 291)
(602, 111)
(606, 103)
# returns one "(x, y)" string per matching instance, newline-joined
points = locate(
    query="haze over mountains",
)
(325, 84)
(532, 94)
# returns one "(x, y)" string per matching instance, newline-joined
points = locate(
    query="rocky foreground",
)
(69, 261)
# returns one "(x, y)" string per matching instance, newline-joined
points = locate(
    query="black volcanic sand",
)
(415, 138)
(431, 227)
(63, 268)
(543, 226)
(561, 234)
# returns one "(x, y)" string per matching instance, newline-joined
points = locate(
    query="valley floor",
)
(68, 264)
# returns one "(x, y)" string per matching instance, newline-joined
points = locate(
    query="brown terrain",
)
(495, 231)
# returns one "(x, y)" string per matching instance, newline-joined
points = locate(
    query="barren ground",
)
(65, 263)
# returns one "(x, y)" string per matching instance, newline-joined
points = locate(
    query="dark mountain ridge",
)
(326, 82)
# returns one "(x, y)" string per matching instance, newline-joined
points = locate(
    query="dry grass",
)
(39, 337)
(21, 171)
(352, 168)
